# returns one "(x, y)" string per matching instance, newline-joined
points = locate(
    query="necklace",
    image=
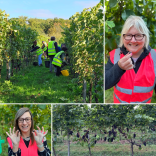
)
(27, 139)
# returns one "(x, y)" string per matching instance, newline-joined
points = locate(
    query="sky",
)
(44, 9)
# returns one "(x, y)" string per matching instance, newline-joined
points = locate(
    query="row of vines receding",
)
(84, 38)
(15, 42)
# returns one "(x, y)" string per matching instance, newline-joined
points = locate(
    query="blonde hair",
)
(138, 23)
(44, 44)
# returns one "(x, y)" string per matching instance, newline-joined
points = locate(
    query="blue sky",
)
(45, 9)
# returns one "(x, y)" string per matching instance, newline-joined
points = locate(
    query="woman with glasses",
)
(131, 68)
(23, 139)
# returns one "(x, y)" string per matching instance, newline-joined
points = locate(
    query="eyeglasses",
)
(138, 37)
(21, 120)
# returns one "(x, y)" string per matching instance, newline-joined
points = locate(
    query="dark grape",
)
(105, 138)
(134, 135)
(144, 143)
(110, 132)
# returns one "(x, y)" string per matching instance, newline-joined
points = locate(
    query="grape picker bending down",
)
(23, 139)
(131, 68)
(59, 60)
(36, 48)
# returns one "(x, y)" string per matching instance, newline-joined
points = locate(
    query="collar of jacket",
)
(142, 56)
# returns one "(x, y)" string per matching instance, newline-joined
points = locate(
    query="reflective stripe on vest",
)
(136, 89)
(145, 101)
(51, 48)
(153, 54)
(45, 48)
(57, 60)
(39, 51)
(117, 55)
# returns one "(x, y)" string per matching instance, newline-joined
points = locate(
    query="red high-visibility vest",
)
(32, 150)
(135, 87)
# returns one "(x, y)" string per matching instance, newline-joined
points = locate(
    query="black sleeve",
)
(113, 74)
(46, 151)
(11, 153)
(56, 47)
(35, 48)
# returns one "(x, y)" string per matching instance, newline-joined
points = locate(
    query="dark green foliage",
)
(116, 14)
(86, 50)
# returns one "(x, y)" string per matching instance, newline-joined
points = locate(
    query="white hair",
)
(138, 23)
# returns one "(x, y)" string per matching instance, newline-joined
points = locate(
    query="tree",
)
(67, 118)
(124, 119)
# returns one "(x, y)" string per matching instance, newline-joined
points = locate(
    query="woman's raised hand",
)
(39, 135)
(125, 63)
(14, 136)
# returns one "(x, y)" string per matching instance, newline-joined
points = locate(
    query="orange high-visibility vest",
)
(135, 87)
(32, 150)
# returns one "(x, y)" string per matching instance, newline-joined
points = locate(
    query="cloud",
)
(86, 4)
(41, 13)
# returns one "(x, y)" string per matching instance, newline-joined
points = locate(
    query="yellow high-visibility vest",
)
(39, 51)
(51, 48)
(57, 60)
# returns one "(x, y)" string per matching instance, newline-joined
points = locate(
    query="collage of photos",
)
(51, 63)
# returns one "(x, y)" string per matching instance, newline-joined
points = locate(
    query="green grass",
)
(109, 96)
(105, 149)
(35, 84)
(115, 148)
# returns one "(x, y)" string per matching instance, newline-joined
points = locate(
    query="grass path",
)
(36, 84)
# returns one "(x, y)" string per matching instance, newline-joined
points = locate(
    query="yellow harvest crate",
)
(65, 72)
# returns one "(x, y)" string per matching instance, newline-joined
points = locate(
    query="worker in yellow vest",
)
(52, 51)
(36, 48)
(59, 60)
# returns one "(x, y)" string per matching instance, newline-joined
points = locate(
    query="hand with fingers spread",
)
(14, 136)
(39, 135)
(125, 63)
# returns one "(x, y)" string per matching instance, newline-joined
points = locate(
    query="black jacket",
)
(34, 48)
(113, 72)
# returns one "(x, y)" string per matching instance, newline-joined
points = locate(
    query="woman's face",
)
(133, 45)
(25, 125)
